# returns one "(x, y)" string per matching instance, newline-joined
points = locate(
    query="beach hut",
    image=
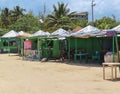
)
(42, 47)
(88, 46)
(22, 34)
(85, 41)
(91, 39)
(29, 47)
(51, 48)
(9, 42)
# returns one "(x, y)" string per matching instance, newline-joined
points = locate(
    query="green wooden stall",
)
(9, 45)
(89, 45)
(51, 47)
(46, 47)
(32, 51)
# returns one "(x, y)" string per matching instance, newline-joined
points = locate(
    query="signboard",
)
(27, 44)
(111, 33)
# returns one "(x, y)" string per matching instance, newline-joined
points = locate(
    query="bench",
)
(113, 65)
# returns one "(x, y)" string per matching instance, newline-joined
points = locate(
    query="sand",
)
(33, 77)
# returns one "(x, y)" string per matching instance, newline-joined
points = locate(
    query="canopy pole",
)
(22, 48)
(38, 48)
(69, 49)
(113, 49)
(8, 46)
(75, 45)
(117, 46)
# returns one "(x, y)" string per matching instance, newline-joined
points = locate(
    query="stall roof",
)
(87, 31)
(76, 29)
(11, 33)
(41, 33)
(24, 34)
(61, 32)
(117, 29)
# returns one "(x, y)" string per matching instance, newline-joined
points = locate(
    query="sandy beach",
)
(33, 77)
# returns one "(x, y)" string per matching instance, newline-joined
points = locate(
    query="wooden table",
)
(81, 55)
(113, 65)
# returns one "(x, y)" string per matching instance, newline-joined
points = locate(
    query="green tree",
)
(81, 23)
(5, 17)
(27, 23)
(106, 23)
(3, 31)
(16, 13)
(9, 17)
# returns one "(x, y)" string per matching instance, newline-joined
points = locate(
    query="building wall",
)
(82, 16)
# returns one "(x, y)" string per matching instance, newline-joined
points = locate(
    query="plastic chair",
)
(96, 56)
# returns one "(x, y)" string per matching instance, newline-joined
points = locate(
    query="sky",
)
(102, 7)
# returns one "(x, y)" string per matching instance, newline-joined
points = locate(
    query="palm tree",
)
(106, 23)
(5, 17)
(56, 18)
(61, 11)
(17, 13)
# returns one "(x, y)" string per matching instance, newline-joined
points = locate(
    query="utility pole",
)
(92, 5)
(44, 11)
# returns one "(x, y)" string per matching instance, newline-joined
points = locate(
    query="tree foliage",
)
(60, 18)
(5, 17)
(81, 23)
(106, 23)
(16, 13)
(18, 20)
(26, 23)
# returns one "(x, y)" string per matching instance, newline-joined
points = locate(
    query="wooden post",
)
(75, 45)
(22, 48)
(69, 48)
(103, 71)
(117, 47)
(113, 49)
(75, 56)
(38, 48)
(112, 72)
(8, 46)
(115, 71)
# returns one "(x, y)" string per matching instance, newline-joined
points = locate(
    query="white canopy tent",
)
(61, 32)
(11, 33)
(23, 34)
(47, 33)
(41, 33)
(117, 29)
(87, 31)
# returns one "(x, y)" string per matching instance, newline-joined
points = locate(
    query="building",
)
(82, 16)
